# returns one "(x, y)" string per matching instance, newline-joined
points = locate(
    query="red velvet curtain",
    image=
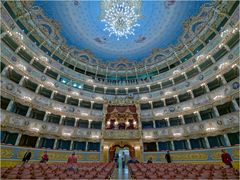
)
(131, 151)
(110, 109)
(132, 108)
(121, 109)
(112, 153)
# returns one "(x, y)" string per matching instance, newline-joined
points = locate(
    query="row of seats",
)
(181, 171)
(59, 171)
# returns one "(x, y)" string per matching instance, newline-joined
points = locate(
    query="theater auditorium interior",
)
(119, 89)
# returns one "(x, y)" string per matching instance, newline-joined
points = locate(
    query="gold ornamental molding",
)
(121, 134)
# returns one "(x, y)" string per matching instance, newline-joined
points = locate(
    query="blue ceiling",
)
(160, 26)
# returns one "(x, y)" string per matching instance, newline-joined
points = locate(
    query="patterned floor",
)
(120, 173)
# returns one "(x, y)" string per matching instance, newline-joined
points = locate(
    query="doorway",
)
(123, 156)
(128, 150)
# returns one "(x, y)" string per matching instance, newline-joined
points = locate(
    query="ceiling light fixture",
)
(120, 17)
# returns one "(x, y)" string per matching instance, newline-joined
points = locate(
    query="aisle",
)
(120, 173)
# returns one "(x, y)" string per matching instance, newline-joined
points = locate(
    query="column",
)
(52, 95)
(116, 90)
(61, 120)
(226, 140)
(149, 89)
(211, 58)
(45, 70)
(75, 122)
(126, 89)
(66, 99)
(55, 144)
(79, 102)
(29, 112)
(32, 60)
(235, 104)
(21, 81)
(216, 111)
(37, 89)
(160, 84)
(45, 116)
(172, 146)
(38, 142)
(171, 79)
(137, 89)
(198, 115)
(105, 90)
(185, 75)
(86, 148)
(206, 142)
(5, 71)
(157, 146)
(168, 123)
(150, 102)
(176, 96)
(188, 144)
(182, 119)
(18, 49)
(89, 123)
(198, 68)
(227, 47)
(18, 139)
(222, 79)
(71, 146)
(10, 105)
(154, 124)
(164, 102)
(191, 93)
(206, 87)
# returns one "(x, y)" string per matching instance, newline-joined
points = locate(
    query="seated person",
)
(149, 160)
(133, 160)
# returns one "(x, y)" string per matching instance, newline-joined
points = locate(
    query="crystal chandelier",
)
(120, 17)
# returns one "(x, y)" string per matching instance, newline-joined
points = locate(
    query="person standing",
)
(72, 163)
(44, 157)
(27, 157)
(72, 159)
(116, 159)
(123, 160)
(226, 158)
(168, 157)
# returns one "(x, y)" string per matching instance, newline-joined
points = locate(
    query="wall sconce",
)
(35, 129)
(137, 147)
(148, 137)
(95, 136)
(144, 98)
(218, 97)
(187, 108)
(158, 114)
(84, 114)
(177, 134)
(75, 93)
(210, 129)
(66, 134)
(57, 109)
(26, 98)
(105, 147)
